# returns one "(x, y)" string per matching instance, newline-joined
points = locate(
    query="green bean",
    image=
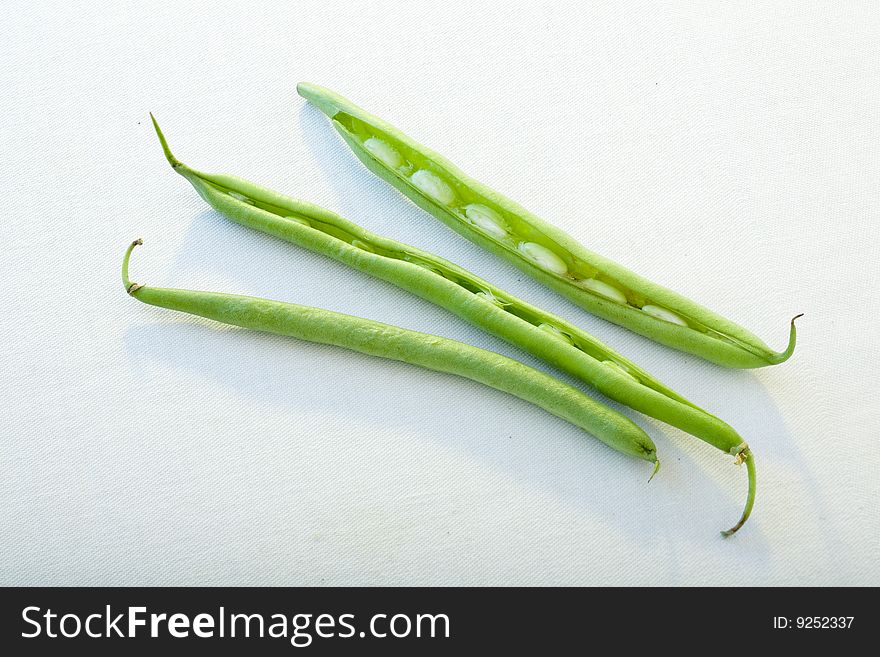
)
(395, 343)
(543, 251)
(542, 334)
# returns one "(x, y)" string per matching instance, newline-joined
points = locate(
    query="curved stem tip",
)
(129, 286)
(783, 356)
(748, 458)
(655, 471)
(173, 161)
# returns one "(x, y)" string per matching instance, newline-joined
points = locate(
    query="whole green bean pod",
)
(430, 277)
(395, 343)
(538, 248)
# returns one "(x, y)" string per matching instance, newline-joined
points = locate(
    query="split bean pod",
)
(506, 229)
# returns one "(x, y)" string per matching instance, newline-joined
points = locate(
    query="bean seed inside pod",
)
(240, 197)
(384, 152)
(662, 313)
(603, 289)
(486, 220)
(491, 298)
(554, 330)
(617, 367)
(429, 268)
(543, 257)
(432, 185)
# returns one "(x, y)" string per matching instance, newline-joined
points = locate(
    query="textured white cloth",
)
(727, 150)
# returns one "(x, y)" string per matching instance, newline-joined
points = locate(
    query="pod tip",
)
(173, 161)
(792, 341)
(655, 470)
(322, 98)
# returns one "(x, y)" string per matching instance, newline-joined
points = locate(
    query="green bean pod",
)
(538, 248)
(449, 286)
(395, 343)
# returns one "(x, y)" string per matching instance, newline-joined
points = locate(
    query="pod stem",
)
(655, 471)
(748, 458)
(783, 356)
(129, 286)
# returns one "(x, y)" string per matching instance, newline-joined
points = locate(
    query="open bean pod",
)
(506, 229)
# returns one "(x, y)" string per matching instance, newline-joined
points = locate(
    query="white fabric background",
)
(726, 149)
